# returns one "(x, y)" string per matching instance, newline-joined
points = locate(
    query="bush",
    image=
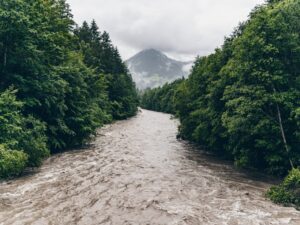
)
(12, 162)
(20, 133)
(287, 193)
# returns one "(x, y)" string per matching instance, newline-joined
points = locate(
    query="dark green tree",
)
(100, 54)
(62, 76)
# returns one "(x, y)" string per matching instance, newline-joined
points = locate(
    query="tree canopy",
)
(58, 82)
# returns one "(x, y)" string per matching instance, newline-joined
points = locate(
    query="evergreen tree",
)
(63, 95)
(100, 54)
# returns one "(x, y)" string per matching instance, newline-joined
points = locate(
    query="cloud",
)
(181, 29)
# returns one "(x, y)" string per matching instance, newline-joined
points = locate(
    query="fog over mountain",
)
(152, 68)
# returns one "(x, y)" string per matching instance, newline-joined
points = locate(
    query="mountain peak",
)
(152, 68)
(151, 50)
(148, 54)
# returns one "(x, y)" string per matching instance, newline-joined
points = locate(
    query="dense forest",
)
(243, 101)
(58, 82)
(161, 99)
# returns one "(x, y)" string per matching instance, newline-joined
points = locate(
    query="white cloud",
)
(182, 29)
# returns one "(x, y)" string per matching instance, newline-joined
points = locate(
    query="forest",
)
(59, 82)
(242, 102)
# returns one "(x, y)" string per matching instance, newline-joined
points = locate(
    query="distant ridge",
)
(151, 68)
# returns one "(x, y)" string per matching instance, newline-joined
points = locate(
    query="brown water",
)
(136, 172)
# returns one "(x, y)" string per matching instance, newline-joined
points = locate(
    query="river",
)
(136, 172)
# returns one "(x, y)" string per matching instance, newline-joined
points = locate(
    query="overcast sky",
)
(182, 29)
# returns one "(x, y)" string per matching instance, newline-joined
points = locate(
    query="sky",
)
(183, 29)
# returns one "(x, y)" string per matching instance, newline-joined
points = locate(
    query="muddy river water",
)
(136, 172)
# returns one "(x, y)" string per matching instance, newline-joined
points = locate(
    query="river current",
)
(137, 172)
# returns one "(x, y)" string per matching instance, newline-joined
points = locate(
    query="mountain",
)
(152, 68)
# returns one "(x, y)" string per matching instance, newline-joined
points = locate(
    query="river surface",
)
(136, 172)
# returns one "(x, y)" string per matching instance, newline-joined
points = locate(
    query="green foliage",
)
(24, 135)
(12, 162)
(34, 37)
(103, 57)
(10, 118)
(263, 92)
(288, 192)
(84, 93)
(122, 95)
(242, 101)
(69, 81)
(33, 141)
(161, 99)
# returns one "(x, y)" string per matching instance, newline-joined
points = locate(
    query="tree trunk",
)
(283, 133)
(5, 58)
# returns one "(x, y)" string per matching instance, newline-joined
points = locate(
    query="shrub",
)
(12, 162)
(20, 133)
(287, 193)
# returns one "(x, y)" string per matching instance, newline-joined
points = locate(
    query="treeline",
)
(243, 101)
(58, 82)
(161, 99)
